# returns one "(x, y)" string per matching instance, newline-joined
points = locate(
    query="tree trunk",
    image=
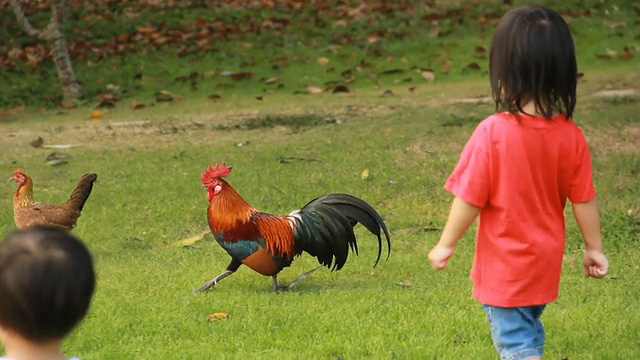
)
(53, 35)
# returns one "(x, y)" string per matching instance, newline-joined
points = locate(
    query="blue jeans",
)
(517, 333)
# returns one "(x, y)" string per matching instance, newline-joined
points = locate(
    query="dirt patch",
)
(605, 141)
(166, 131)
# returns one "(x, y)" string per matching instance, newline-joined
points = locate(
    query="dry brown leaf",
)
(473, 66)
(210, 73)
(314, 89)
(37, 142)
(192, 239)
(323, 61)
(96, 114)
(627, 55)
(136, 105)
(428, 75)
(271, 80)
(341, 88)
(218, 316)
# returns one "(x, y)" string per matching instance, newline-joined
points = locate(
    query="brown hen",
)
(27, 212)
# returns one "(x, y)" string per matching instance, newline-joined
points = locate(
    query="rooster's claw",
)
(206, 286)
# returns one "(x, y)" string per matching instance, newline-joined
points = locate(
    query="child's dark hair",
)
(532, 58)
(46, 283)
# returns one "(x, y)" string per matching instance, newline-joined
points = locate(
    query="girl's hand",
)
(439, 255)
(595, 264)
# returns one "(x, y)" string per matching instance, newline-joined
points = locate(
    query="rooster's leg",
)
(302, 277)
(231, 268)
(276, 287)
(295, 282)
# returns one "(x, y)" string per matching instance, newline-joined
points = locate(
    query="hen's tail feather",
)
(335, 216)
(82, 191)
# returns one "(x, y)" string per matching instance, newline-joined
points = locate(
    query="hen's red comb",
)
(18, 171)
(215, 172)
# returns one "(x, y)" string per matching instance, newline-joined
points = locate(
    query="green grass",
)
(148, 196)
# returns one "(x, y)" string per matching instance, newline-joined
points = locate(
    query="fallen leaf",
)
(259, 98)
(136, 105)
(404, 283)
(130, 123)
(164, 96)
(210, 73)
(107, 103)
(473, 66)
(627, 55)
(58, 146)
(271, 80)
(364, 175)
(415, 230)
(341, 88)
(314, 89)
(96, 114)
(428, 75)
(218, 316)
(57, 162)
(407, 79)
(242, 75)
(57, 156)
(392, 71)
(214, 97)
(412, 89)
(192, 239)
(323, 61)
(37, 142)
(387, 93)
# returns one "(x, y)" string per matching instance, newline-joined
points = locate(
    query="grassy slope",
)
(148, 196)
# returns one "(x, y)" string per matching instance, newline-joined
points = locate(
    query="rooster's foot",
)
(277, 287)
(212, 283)
(206, 286)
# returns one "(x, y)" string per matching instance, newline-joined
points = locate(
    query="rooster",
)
(268, 243)
(27, 212)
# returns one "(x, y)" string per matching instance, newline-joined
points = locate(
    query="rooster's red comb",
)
(18, 171)
(215, 172)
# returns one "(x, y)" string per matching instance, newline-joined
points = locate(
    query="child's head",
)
(532, 58)
(46, 283)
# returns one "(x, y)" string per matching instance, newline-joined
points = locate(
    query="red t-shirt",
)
(520, 173)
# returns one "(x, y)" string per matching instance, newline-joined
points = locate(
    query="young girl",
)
(517, 171)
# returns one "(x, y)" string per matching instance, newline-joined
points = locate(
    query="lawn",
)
(287, 149)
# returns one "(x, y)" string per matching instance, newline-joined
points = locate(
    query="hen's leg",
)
(231, 268)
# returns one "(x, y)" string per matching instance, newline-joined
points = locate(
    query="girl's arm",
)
(461, 216)
(588, 219)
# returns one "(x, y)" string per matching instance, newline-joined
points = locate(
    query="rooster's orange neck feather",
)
(228, 209)
(24, 194)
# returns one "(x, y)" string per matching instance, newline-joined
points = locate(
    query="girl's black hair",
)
(46, 283)
(532, 58)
